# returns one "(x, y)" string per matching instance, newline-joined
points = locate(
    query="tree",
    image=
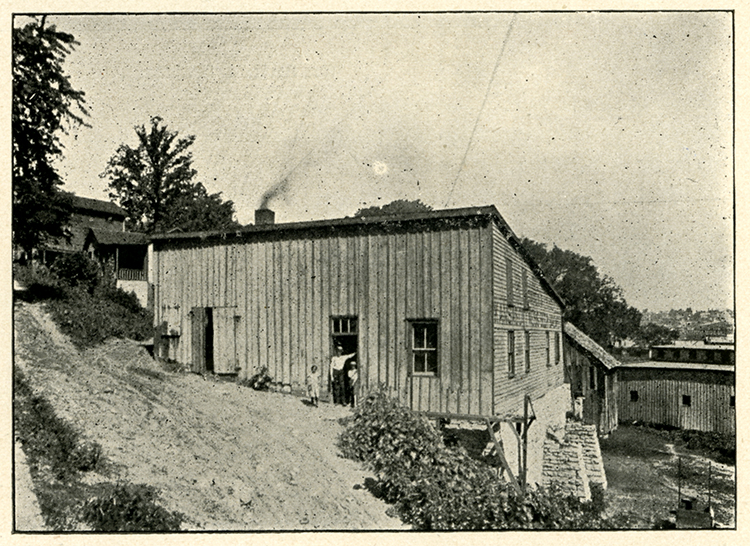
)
(200, 211)
(595, 304)
(154, 184)
(399, 206)
(44, 105)
(655, 334)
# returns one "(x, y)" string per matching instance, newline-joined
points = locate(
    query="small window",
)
(424, 348)
(549, 359)
(527, 351)
(717, 357)
(557, 347)
(693, 356)
(634, 396)
(592, 378)
(511, 354)
(525, 288)
(686, 400)
(731, 401)
(344, 325)
(509, 280)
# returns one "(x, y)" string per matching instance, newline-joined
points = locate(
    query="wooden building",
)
(444, 309)
(592, 379)
(86, 214)
(692, 396)
(126, 257)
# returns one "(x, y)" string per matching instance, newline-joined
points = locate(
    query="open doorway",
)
(344, 346)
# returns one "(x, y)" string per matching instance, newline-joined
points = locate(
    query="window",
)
(731, 401)
(509, 280)
(344, 325)
(634, 396)
(557, 347)
(525, 288)
(686, 400)
(344, 333)
(511, 354)
(424, 347)
(549, 360)
(527, 351)
(717, 357)
(592, 378)
(693, 355)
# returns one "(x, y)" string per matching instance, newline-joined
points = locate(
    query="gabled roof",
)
(388, 222)
(590, 346)
(96, 205)
(119, 238)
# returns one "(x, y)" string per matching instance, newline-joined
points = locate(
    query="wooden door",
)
(226, 330)
(198, 321)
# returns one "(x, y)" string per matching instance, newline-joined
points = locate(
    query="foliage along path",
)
(225, 456)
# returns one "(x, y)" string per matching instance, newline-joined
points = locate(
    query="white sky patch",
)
(379, 168)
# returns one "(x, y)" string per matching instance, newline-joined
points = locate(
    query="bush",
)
(90, 320)
(126, 300)
(434, 487)
(128, 507)
(261, 381)
(40, 283)
(77, 270)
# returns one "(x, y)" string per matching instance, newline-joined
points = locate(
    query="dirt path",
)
(225, 456)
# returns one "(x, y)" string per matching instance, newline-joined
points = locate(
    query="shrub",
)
(118, 296)
(434, 487)
(261, 381)
(128, 507)
(40, 283)
(77, 270)
(90, 320)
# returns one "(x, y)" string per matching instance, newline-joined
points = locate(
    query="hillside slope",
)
(225, 456)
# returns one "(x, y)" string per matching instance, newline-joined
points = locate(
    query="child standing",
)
(313, 385)
(352, 377)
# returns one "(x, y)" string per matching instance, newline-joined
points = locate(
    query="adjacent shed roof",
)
(119, 238)
(421, 220)
(590, 346)
(656, 364)
(699, 344)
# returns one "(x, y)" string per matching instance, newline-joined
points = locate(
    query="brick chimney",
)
(264, 217)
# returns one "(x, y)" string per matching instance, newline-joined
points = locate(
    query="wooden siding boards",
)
(285, 290)
(543, 315)
(660, 398)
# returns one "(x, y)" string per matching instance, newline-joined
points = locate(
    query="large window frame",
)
(424, 336)
(510, 292)
(511, 353)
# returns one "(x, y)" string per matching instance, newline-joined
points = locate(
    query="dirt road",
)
(225, 456)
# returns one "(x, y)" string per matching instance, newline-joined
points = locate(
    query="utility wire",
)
(481, 108)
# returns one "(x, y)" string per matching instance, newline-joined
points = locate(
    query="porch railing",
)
(131, 274)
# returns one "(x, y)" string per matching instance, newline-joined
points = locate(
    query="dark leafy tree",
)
(594, 303)
(655, 334)
(153, 182)
(200, 211)
(45, 105)
(399, 206)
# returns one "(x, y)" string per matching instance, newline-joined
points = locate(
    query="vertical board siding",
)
(543, 315)
(660, 398)
(274, 299)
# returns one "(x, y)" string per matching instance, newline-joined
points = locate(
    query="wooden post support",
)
(501, 454)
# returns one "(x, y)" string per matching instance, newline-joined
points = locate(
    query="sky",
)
(609, 134)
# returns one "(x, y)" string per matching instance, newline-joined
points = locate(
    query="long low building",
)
(444, 309)
(686, 395)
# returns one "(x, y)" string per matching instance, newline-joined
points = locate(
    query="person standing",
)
(338, 375)
(313, 385)
(352, 377)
